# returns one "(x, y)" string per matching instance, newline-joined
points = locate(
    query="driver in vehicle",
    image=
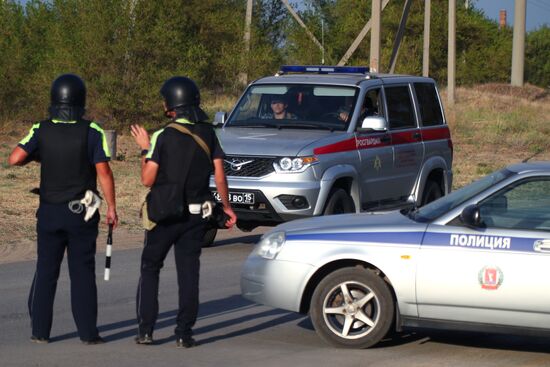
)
(279, 107)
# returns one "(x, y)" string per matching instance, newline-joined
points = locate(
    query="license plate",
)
(237, 197)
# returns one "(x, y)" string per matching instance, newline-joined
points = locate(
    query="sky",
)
(538, 11)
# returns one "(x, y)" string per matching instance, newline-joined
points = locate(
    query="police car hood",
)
(392, 221)
(267, 141)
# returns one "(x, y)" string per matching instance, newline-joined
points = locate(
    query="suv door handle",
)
(385, 139)
(417, 136)
(542, 246)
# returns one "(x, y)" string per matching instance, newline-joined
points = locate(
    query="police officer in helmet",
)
(73, 155)
(172, 158)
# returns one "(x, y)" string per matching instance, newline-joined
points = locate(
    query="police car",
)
(321, 140)
(476, 259)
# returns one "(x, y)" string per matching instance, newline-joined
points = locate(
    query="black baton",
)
(108, 250)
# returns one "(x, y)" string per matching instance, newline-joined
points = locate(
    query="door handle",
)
(542, 246)
(417, 136)
(385, 139)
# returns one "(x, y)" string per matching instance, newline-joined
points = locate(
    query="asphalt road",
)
(231, 331)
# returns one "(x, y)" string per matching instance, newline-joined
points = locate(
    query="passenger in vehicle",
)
(279, 107)
(367, 109)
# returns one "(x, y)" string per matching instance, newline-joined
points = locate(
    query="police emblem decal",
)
(490, 277)
(377, 163)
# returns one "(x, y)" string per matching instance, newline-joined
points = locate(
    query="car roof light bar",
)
(322, 69)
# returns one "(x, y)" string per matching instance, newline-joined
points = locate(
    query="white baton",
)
(108, 250)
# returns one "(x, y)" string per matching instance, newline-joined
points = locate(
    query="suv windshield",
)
(299, 106)
(441, 206)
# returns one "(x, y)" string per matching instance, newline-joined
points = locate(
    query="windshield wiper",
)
(305, 126)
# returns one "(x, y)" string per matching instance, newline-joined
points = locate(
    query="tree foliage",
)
(124, 49)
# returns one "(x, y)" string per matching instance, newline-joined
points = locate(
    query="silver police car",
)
(476, 259)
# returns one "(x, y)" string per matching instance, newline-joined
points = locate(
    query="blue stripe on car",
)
(407, 238)
(458, 240)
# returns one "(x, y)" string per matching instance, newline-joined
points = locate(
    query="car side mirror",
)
(219, 119)
(374, 123)
(471, 216)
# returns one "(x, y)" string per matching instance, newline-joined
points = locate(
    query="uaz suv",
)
(317, 140)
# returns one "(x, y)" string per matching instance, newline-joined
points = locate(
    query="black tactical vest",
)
(180, 155)
(66, 171)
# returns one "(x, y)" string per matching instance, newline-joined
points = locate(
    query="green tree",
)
(537, 57)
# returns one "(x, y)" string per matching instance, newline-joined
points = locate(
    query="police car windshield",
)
(295, 106)
(441, 206)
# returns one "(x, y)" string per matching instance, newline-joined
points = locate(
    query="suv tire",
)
(209, 236)
(340, 304)
(339, 202)
(432, 191)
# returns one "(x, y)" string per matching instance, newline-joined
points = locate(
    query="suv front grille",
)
(248, 166)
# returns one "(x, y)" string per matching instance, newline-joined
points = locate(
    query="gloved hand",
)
(91, 202)
(207, 209)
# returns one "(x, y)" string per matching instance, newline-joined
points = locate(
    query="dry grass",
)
(495, 125)
(491, 125)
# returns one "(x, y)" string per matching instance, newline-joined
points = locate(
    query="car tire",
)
(339, 202)
(432, 191)
(209, 236)
(361, 321)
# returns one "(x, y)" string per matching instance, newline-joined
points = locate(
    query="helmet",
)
(182, 95)
(68, 90)
(180, 91)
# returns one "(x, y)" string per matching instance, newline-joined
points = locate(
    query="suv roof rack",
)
(322, 69)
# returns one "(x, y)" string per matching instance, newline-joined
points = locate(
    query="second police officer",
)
(172, 158)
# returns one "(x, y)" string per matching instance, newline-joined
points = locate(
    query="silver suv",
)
(317, 140)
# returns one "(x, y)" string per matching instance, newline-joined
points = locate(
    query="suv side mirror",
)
(471, 216)
(219, 118)
(374, 123)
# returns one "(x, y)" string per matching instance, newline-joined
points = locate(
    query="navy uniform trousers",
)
(58, 229)
(187, 238)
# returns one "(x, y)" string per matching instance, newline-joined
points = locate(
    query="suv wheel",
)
(432, 192)
(246, 226)
(339, 202)
(352, 308)
(209, 236)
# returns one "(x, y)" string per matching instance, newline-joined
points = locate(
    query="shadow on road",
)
(216, 308)
(248, 239)
(520, 343)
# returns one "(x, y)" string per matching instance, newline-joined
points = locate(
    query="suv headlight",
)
(270, 245)
(294, 165)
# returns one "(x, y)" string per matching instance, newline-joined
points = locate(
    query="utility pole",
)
(518, 49)
(426, 46)
(359, 38)
(375, 36)
(399, 35)
(243, 76)
(451, 56)
(302, 24)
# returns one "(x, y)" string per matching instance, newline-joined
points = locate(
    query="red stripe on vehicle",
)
(365, 142)
(406, 137)
(374, 141)
(341, 146)
(436, 134)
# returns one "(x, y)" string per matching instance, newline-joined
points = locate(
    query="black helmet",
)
(68, 90)
(180, 91)
(182, 95)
